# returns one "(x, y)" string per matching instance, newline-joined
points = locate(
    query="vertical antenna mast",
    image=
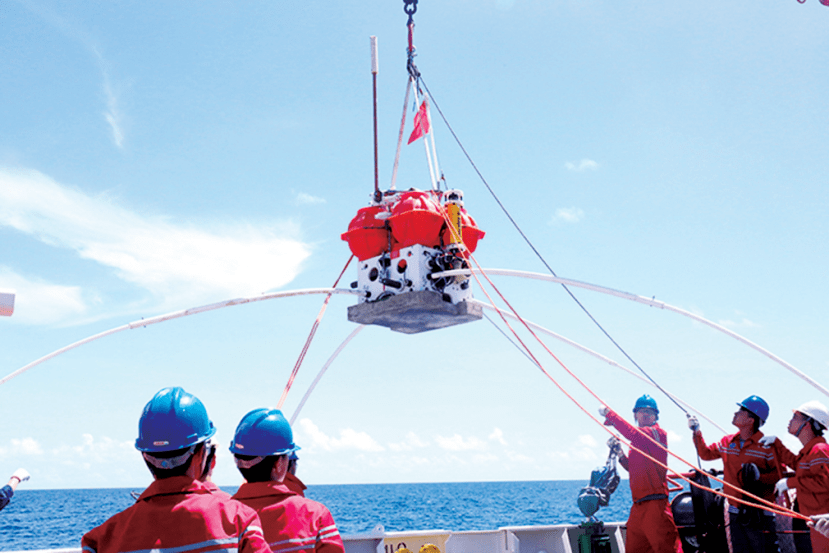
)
(374, 70)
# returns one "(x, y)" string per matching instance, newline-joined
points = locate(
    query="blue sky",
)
(157, 156)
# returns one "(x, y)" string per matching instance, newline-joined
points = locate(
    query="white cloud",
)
(582, 450)
(498, 436)
(40, 302)
(484, 458)
(180, 265)
(113, 114)
(458, 443)
(583, 165)
(70, 30)
(307, 199)
(674, 438)
(411, 442)
(568, 215)
(349, 439)
(518, 457)
(20, 447)
(587, 440)
(93, 451)
(76, 33)
(90, 447)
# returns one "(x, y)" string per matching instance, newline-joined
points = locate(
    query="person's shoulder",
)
(111, 526)
(821, 447)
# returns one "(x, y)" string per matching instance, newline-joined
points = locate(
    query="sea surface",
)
(41, 519)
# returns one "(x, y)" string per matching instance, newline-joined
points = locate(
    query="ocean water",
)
(40, 519)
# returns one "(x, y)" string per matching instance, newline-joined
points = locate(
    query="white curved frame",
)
(500, 272)
(643, 300)
(177, 315)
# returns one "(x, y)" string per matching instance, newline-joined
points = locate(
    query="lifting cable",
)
(537, 253)
(766, 504)
(400, 136)
(314, 328)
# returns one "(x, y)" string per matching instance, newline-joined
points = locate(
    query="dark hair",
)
(757, 422)
(261, 471)
(180, 470)
(817, 428)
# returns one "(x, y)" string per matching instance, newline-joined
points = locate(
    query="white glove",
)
(781, 486)
(768, 441)
(821, 524)
(603, 411)
(21, 474)
(693, 423)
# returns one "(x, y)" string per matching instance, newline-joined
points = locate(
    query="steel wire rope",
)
(311, 335)
(535, 250)
(766, 504)
(774, 508)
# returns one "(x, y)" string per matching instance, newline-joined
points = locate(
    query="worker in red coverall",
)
(811, 479)
(750, 463)
(292, 523)
(650, 526)
(291, 479)
(182, 510)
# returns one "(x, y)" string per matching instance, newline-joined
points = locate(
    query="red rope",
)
(314, 328)
(769, 506)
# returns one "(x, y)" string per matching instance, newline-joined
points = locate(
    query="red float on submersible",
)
(401, 243)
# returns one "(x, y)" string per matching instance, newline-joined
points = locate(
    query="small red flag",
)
(421, 122)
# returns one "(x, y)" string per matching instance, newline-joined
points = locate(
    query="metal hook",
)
(410, 7)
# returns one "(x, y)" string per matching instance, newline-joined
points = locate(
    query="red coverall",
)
(294, 484)
(179, 514)
(292, 523)
(748, 537)
(733, 457)
(650, 526)
(811, 480)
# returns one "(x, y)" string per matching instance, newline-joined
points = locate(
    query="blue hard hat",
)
(263, 432)
(757, 406)
(645, 402)
(173, 420)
